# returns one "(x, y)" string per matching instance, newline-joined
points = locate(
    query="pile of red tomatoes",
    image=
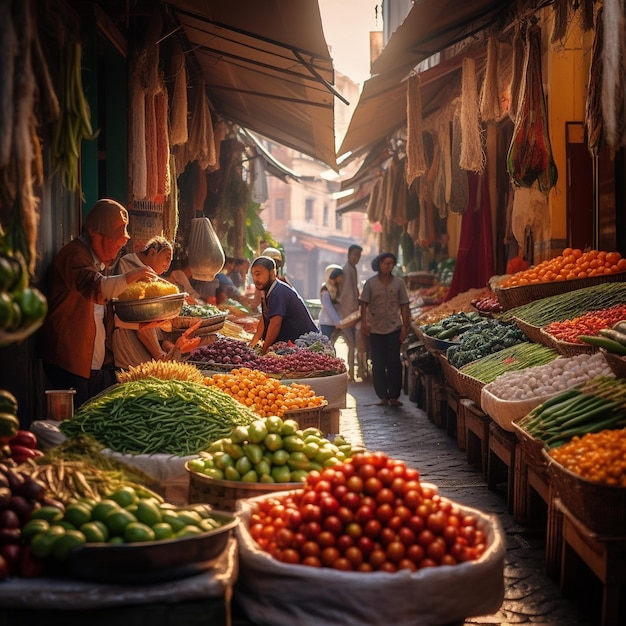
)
(370, 513)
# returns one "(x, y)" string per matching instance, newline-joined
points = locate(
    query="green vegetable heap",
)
(151, 415)
(487, 337)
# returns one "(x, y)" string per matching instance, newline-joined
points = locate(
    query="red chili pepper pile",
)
(587, 324)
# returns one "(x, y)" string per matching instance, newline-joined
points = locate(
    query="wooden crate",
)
(476, 435)
(503, 446)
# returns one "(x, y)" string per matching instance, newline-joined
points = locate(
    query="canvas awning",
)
(381, 109)
(433, 25)
(267, 67)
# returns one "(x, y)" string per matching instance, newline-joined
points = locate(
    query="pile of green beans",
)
(598, 404)
(151, 415)
(569, 305)
(517, 357)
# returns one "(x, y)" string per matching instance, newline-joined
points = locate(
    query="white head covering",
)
(332, 288)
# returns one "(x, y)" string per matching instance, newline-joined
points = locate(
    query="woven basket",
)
(532, 449)
(450, 373)
(471, 387)
(566, 348)
(532, 332)
(616, 362)
(437, 346)
(512, 297)
(186, 321)
(223, 494)
(503, 412)
(308, 417)
(601, 508)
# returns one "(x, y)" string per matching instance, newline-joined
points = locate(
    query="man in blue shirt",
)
(284, 314)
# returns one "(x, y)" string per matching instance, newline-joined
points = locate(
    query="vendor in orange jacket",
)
(73, 337)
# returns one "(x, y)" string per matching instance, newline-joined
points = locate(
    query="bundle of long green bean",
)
(517, 357)
(151, 416)
(568, 305)
(599, 404)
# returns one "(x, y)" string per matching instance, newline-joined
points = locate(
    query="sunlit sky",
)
(347, 24)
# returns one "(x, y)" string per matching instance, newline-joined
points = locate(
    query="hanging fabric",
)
(458, 183)
(517, 69)
(472, 155)
(415, 157)
(474, 260)
(593, 107)
(178, 117)
(490, 109)
(613, 50)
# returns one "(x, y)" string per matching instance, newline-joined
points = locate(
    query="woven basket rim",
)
(616, 362)
(307, 409)
(237, 484)
(566, 348)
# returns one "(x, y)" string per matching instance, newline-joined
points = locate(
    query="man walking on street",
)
(348, 301)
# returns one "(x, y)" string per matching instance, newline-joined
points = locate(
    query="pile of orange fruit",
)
(263, 394)
(571, 264)
(598, 457)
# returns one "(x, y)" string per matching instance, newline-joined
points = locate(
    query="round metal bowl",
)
(151, 561)
(150, 309)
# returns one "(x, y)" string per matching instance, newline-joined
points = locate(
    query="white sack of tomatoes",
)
(365, 542)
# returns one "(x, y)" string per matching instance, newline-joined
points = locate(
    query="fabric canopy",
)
(433, 25)
(266, 66)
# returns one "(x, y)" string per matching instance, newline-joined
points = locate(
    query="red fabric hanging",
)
(474, 261)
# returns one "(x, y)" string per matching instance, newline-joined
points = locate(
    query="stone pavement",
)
(406, 433)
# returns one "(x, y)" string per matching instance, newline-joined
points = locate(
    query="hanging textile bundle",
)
(443, 178)
(415, 159)
(139, 166)
(612, 83)
(530, 154)
(163, 145)
(472, 156)
(490, 109)
(593, 107)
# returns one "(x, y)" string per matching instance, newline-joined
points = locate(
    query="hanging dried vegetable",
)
(163, 145)
(530, 160)
(201, 139)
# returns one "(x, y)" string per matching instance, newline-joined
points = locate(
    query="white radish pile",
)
(549, 379)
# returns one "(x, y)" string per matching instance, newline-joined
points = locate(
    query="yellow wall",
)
(565, 77)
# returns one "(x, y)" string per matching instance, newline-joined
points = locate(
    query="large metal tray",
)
(150, 309)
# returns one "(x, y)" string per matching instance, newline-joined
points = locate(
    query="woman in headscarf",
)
(385, 319)
(329, 318)
(74, 337)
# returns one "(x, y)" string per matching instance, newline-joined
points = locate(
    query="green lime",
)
(162, 531)
(280, 457)
(171, 518)
(243, 465)
(209, 524)
(250, 477)
(71, 540)
(289, 427)
(41, 544)
(136, 532)
(196, 465)
(274, 424)
(116, 541)
(273, 442)
(95, 532)
(148, 512)
(116, 521)
(192, 518)
(103, 508)
(77, 514)
(124, 496)
(189, 531)
(230, 473)
(33, 527)
(48, 513)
